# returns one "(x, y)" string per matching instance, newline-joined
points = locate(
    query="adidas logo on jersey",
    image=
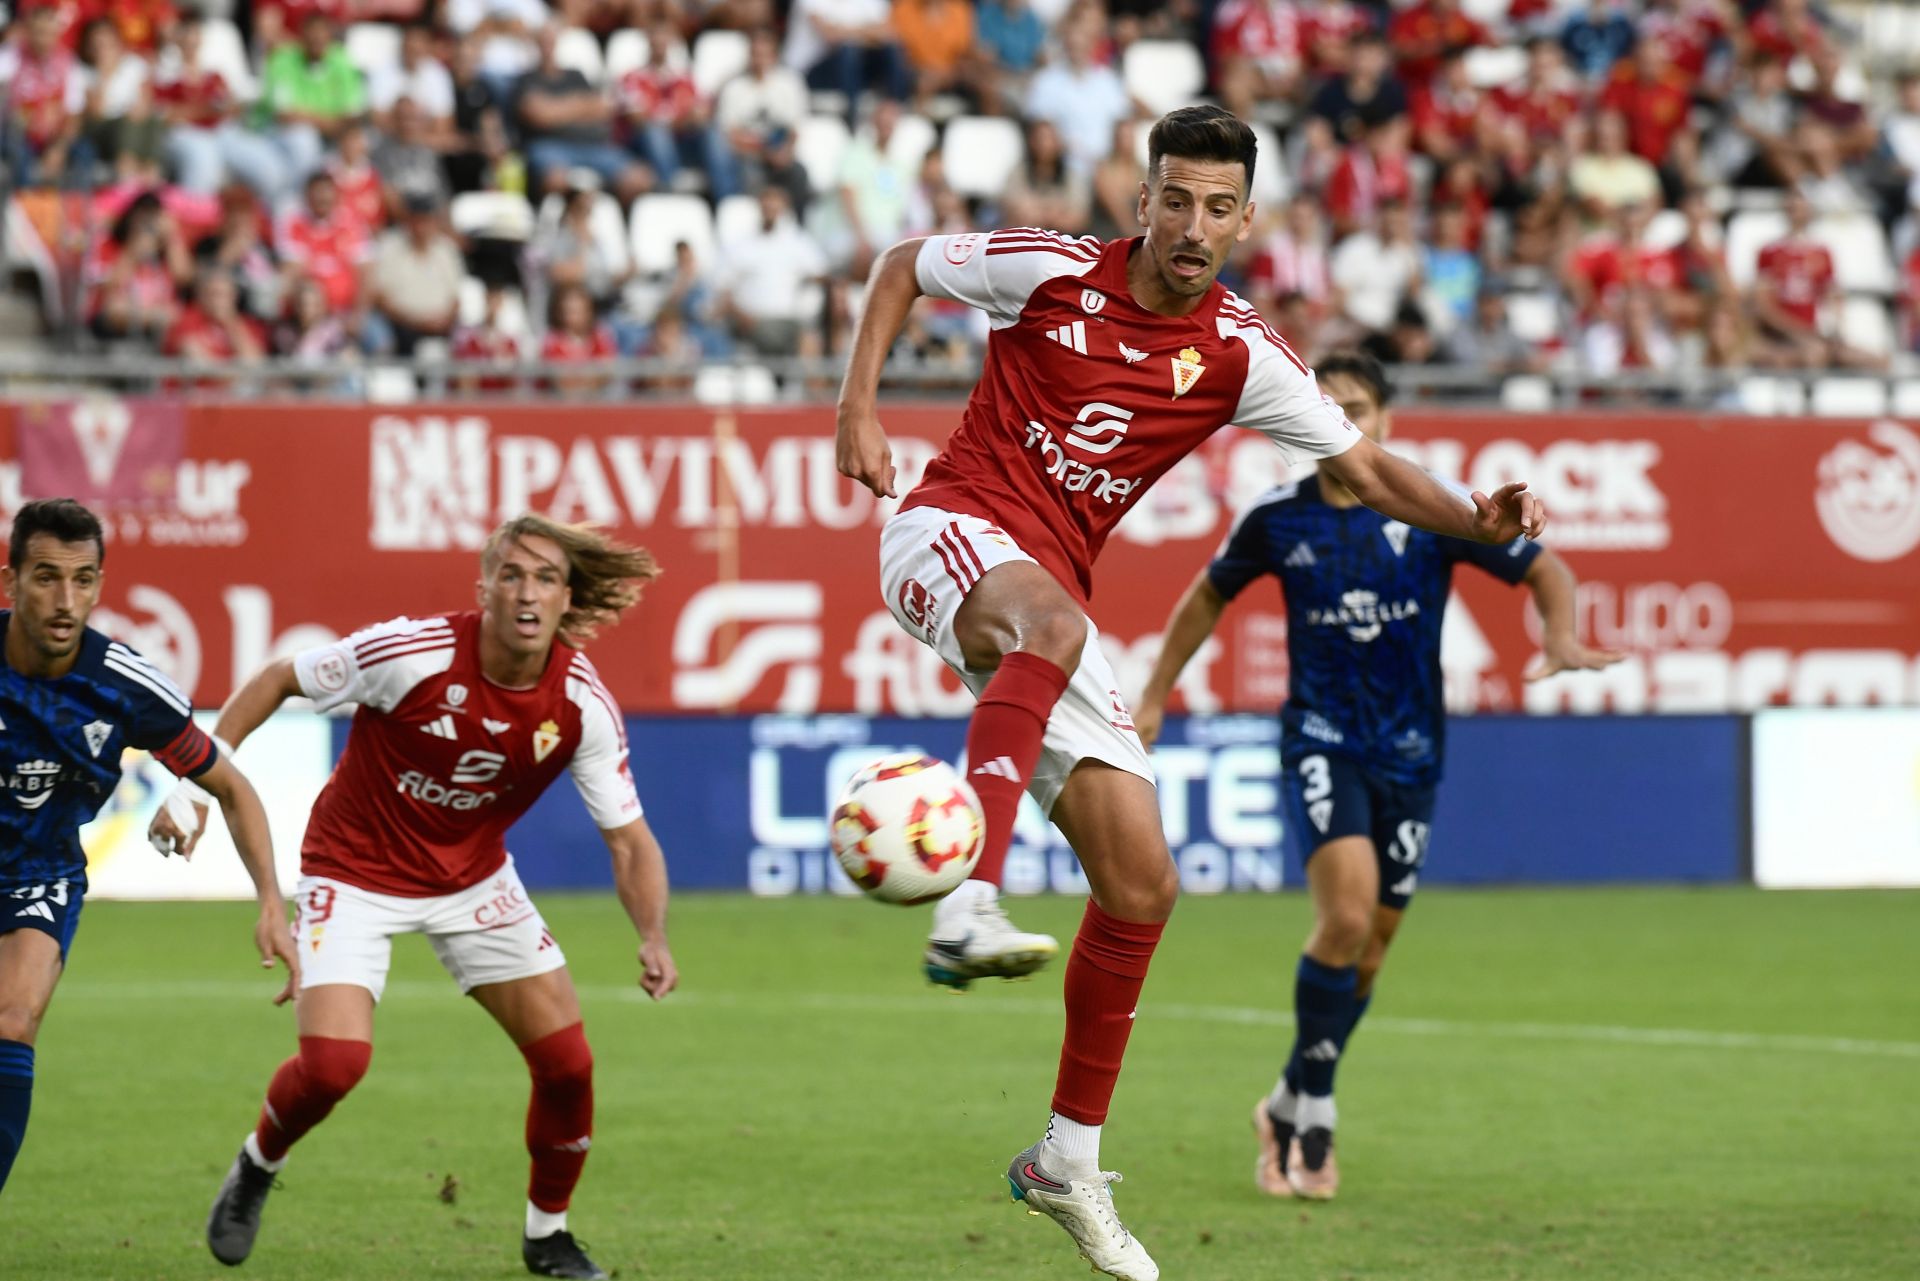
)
(1405, 885)
(1321, 812)
(1300, 557)
(1073, 335)
(999, 767)
(1322, 1052)
(1133, 356)
(441, 728)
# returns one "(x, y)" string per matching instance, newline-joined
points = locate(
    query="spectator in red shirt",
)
(1853, 130)
(1793, 281)
(212, 327)
(1691, 31)
(1256, 53)
(145, 26)
(1655, 100)
(356, 180)
(44, 97)
(206, 142)
(1328, 30)
(1369, 176)
(492, 340)
(1910, 300)
(669, 123)
(135, 275)
(278, 22)
(1547, 98)
(1785, 30)
(1293, 263)
(573, 334)
(1446, 113)
(1422, 35)
(321, 240)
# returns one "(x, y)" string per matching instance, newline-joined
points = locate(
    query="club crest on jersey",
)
(545, 739)
(456, 697)
(97, 734)
(1396, 532)
(33, 782)
(1186, 371)
(1091, 301)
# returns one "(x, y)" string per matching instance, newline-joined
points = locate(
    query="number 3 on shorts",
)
(1319, 780)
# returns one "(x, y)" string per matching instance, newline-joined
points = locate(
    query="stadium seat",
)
(1495, 67)
(662, 221)
(1906, 398)
(579, 49)
(1665, 230)
(627, 50)
(222, 50)
(980, 153)
(718, 56)
(819, 144)
(608, 225)
(494, 215)
(1533, 317)
(1271, 182)
(1865, 325)
(913, 138)
(1849, 397)
(735, 385)
(1765, 395)
(1862, 261)
(1748, 232)
(373, 46)
(1163, 74)
(1488, 13)
(1527, 394)
(737, 217)
(391, 385)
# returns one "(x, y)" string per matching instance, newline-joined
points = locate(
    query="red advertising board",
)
(1740, 562)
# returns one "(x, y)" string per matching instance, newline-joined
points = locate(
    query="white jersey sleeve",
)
(1281, 398)
(600, 769)
(998, 271)
(376, 665)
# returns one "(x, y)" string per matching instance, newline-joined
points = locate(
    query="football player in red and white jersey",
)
(463, 721)
(1108, 363)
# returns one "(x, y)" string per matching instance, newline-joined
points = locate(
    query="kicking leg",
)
(30, 968)
(1112, 819)
(336, 1044)
(542, 1015)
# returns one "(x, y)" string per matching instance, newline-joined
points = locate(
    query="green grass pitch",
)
(1608, 1084)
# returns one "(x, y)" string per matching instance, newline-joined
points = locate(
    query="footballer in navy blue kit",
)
(1363, 733)
(70, 700)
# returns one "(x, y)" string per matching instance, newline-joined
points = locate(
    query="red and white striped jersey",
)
(441, 761)
(1087, 397)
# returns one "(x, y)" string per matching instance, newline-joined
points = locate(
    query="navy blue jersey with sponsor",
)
(60, 744)
(1365, 598)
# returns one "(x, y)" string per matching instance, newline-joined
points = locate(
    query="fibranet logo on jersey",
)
(1098, 429)
(432, 791)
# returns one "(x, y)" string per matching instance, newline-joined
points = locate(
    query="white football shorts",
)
(929, 560)
(486, 933)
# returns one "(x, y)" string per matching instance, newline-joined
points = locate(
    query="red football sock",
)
(560, 1117)
(1104, 975)
(306, 1087)
(1003, 745)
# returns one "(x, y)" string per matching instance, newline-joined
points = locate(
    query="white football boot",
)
(1084, 1207)
(973, 939)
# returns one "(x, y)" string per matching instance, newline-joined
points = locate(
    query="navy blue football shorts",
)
(1331, 796)
(52, 907)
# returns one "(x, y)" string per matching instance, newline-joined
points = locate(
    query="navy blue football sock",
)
(1323, 1004)
(16, 1096)
(1360, 1004)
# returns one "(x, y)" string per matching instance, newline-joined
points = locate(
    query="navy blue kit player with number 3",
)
(1362, 735)
(70, 700)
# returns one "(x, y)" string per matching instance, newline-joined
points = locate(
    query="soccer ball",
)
(908, 829)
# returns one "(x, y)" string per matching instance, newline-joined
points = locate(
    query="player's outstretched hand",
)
(176, 828)
(1511, 512)
(860, 446)
(658, 974)
(1147, 719)
(1568, 655)
(275, 941)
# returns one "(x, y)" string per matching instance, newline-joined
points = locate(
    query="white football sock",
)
(1072, 1144)
(252, 1146)
(1315, 1112)
(541, 1224)
(1281, 1101)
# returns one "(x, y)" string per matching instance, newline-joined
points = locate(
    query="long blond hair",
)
(606, 577)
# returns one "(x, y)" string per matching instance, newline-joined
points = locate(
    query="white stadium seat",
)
(1665, 230)
(1496, 67)
(1748, 232)
(1163, 74)
(391, 385)
(1849, 397)
(606, 222)
(373, 46)
(1906, 398)
(578, 49)
(913, 138)
(718, 56)
(662, 221)
(222, 50)
(1271, 182)
(1527, 393)
(736, 218)
(496, 215)
(627, 50)
(1865, 325)
(819, 144)
(1533, 317)
(1862, 261)
(735, 385)
(980, 153)
(1766, 395)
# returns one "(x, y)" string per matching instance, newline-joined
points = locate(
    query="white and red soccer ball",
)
(908, 829)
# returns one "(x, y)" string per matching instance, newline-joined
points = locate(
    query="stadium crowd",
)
(1516, 185)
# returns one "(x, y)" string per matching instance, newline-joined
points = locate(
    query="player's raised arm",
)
(182, 818)
(1192, 622)
(860, 443)
(247, 820)
(640, 879)
(1554, 592)
(1395, 487)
